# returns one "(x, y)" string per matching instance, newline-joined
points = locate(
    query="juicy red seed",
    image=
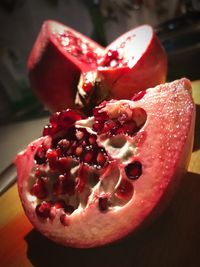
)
(39, 189)
(64, 219)
(101, 159)
(99, 114)
(52, 156)
(87, 86)
(43, 209)
(63, 145)
(129, 128)
(92, 139)
(63, 164)
(78, 151)
(133, 170)
(68, 118)
(59, 204)
(139, 95)
(54, 119)
(109, 126)
(88, 157)
(63, 185)
(124, 190)
(81, 134)
(103, 203)
(111, 55)
(98, 126)
(49, 130)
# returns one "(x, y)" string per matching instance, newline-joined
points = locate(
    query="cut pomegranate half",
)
(67, 69)
(83, 185)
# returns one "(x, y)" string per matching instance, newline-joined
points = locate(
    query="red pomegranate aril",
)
(43, 209)
(99, 114)
(64, 219)
(56, 206)
(63, 164)
(133, 170)
(60, 186)
(98, 126)
(54, 119)
(52, 156)
(109, 126)
(92, 139)
(139, 95)
(103, 203)
(78, 151)
(64, 145)
(87, 86)
(59, 204)
(101, 159)
(129, 128)
(39, 189)
(68, 118)
(88, 157)
(124, 190)
(109, 57)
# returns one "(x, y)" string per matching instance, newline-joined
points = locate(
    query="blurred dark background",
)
(176, 22)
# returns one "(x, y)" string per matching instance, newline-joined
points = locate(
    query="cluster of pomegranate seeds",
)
(61, 121)
(43, 209)
(39, 188)
(47, 209)
(74, 145)
(77, 48)
(115, 126)
(111, 59)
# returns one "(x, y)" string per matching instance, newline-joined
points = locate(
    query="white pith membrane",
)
(159, 146)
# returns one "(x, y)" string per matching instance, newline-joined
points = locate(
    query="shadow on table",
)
(172, 240)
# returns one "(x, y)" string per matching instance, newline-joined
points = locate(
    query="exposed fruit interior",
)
(76, 46)
(70, 167)
(127, 49)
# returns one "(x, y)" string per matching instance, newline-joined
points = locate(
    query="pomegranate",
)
(91, 181)
(67, 69)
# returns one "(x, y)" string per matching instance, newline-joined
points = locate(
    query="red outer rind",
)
(149, 71)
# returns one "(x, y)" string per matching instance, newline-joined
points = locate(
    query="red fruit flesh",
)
(61, 55)
(103, 184)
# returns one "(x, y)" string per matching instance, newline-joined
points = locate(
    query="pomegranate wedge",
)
(68, 70)
(91, 181)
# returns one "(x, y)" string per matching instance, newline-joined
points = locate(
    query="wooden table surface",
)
(173, 240)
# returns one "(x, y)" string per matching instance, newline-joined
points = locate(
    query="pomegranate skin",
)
(53, 76)
(56, 75)
(149, 71)
(160, 151)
